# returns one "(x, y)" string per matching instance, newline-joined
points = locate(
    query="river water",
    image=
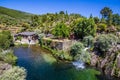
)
(41, 65)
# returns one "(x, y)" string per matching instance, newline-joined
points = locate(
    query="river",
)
(41, 65)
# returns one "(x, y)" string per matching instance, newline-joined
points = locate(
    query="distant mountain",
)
(14, 13)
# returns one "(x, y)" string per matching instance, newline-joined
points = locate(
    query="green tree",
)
(106, 12)
(61, 31)
(6, 40)
(84, 27)
(35, 21)
(96, 19)
(61, 12)
(91, 16)
(116, 19)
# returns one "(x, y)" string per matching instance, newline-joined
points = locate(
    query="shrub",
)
(40, 37)
(84, 27)
(8, 57)
(6, 40)
(76, 49)
(105, 41)
(88, 41)
(102, 27)
(61, 31)
(79, 53)
(15, 73)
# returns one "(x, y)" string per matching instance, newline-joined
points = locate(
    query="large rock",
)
(94, 59)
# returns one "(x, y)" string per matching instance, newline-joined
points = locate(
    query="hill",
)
(14, 13)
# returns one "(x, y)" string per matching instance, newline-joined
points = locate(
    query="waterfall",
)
(78, 64)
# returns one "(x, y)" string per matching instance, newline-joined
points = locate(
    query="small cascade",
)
(79, 64)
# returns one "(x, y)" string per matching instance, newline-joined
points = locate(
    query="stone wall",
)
(56, 44)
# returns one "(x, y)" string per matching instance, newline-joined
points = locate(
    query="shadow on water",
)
(41, 65)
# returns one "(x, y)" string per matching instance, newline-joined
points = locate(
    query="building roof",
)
(27, 33)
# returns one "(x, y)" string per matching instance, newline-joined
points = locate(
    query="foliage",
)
(101, 27)
(61, 31)
(14, 13)
(96, 20)
(105, 41)
(19, 38)
(59, 54)
(15, 73)
(8, 57)
(40, 36)
(6, 40)
(106, 12)
(84, 27)
(116, 19)
(78, 52)
(88, 41)
(76, 48)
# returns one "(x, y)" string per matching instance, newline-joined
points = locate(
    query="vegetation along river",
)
(41, 65)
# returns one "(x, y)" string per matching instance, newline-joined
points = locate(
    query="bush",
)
(88, 41)
(6, 40)
(61, 31)
(79, 53)
(84, 27)
(105, 41)
(8, 57)
(15, 73)
(76, 49)
(102, 27)
(40, 37)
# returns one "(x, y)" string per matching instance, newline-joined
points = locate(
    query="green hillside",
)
(14, 13)
(13, 18)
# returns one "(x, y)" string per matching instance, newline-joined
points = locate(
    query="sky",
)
(83, 7)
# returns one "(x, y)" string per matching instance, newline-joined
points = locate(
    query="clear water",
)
(41, 65)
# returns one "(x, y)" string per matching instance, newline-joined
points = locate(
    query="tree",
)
(61, 31)
(6, 40)
(61, 12)
(25, 26)
(96, 20)
(91, 16)
(116, 19)
(106, 12)
(35, 21)
(84, 27)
